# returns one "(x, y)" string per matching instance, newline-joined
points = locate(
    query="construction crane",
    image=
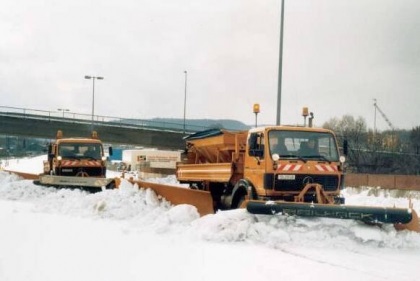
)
(383, 115)
(391, 141)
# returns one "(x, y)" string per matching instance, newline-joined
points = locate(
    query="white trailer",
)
(151, 162)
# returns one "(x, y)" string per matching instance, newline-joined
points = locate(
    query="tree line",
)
(370, 151)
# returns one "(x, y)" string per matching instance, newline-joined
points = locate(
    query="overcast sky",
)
(339, 55)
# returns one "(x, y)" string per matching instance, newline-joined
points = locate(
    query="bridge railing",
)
(73, 117)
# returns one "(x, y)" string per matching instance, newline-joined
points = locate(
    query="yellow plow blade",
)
(413, 225)
(202, 200)
(26, 176)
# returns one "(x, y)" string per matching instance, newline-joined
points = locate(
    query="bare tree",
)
(355, 132)
(415, 139)
(415, 144)
(389, 152)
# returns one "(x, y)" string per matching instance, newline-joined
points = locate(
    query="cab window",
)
(256, 145)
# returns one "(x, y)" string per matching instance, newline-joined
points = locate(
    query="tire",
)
(240, 201)
(239, 198)
(240, 192)
(111, 185)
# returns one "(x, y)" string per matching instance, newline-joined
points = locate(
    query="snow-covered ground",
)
(129, 234)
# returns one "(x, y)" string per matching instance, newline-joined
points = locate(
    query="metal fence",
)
(384, 181)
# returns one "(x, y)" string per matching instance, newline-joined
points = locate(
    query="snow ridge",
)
(142, 210)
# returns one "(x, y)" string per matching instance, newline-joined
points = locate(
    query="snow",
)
(131, 234)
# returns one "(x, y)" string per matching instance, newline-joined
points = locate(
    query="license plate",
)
(286, 177)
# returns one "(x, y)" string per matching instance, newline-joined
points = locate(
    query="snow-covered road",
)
(129, 234)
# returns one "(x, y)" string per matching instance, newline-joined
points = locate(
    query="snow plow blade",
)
(400, 217)
(202, 200)
(48, 180)
(26, 176)
(74, 181)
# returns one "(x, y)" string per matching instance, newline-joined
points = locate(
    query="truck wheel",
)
(238, 198)
(111, 185)
(241, 200)
(240, 192)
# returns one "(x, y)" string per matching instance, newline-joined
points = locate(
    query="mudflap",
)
(401, 218)
(202, 200)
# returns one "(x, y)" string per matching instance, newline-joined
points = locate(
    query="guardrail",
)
(73, 117)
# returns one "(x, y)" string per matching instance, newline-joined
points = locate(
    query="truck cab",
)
(83, 157)
(281, 160)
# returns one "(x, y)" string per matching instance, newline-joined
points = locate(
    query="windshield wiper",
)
(89, 158)
(70, 157)
(320, 156)
(294, 156)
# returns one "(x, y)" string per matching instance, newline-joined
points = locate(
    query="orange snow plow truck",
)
(77, 162)
(278, 169)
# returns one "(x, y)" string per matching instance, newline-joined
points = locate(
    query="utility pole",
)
(280, 65)
(185, 97)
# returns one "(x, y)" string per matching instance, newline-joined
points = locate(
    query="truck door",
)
(255, 159)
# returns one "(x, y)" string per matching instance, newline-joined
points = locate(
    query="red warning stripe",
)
(75, 163)
(289, 167)
(326, 168)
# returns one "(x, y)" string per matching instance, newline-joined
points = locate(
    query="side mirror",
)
(345, 147)
(256, 152)
(110, 151)
(256, 149)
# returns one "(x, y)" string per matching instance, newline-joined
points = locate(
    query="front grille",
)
(329, 183)
(73, 171)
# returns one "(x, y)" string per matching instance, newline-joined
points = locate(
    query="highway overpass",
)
(44, 124)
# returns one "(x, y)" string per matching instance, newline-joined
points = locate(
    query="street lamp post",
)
(280, 65)
(63, 110)
(93, 94)
(185, 96)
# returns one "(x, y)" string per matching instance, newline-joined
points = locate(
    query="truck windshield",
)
(303, 145)
(80, 150)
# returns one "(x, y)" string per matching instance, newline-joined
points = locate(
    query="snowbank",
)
(149, 239)
(143, 209)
